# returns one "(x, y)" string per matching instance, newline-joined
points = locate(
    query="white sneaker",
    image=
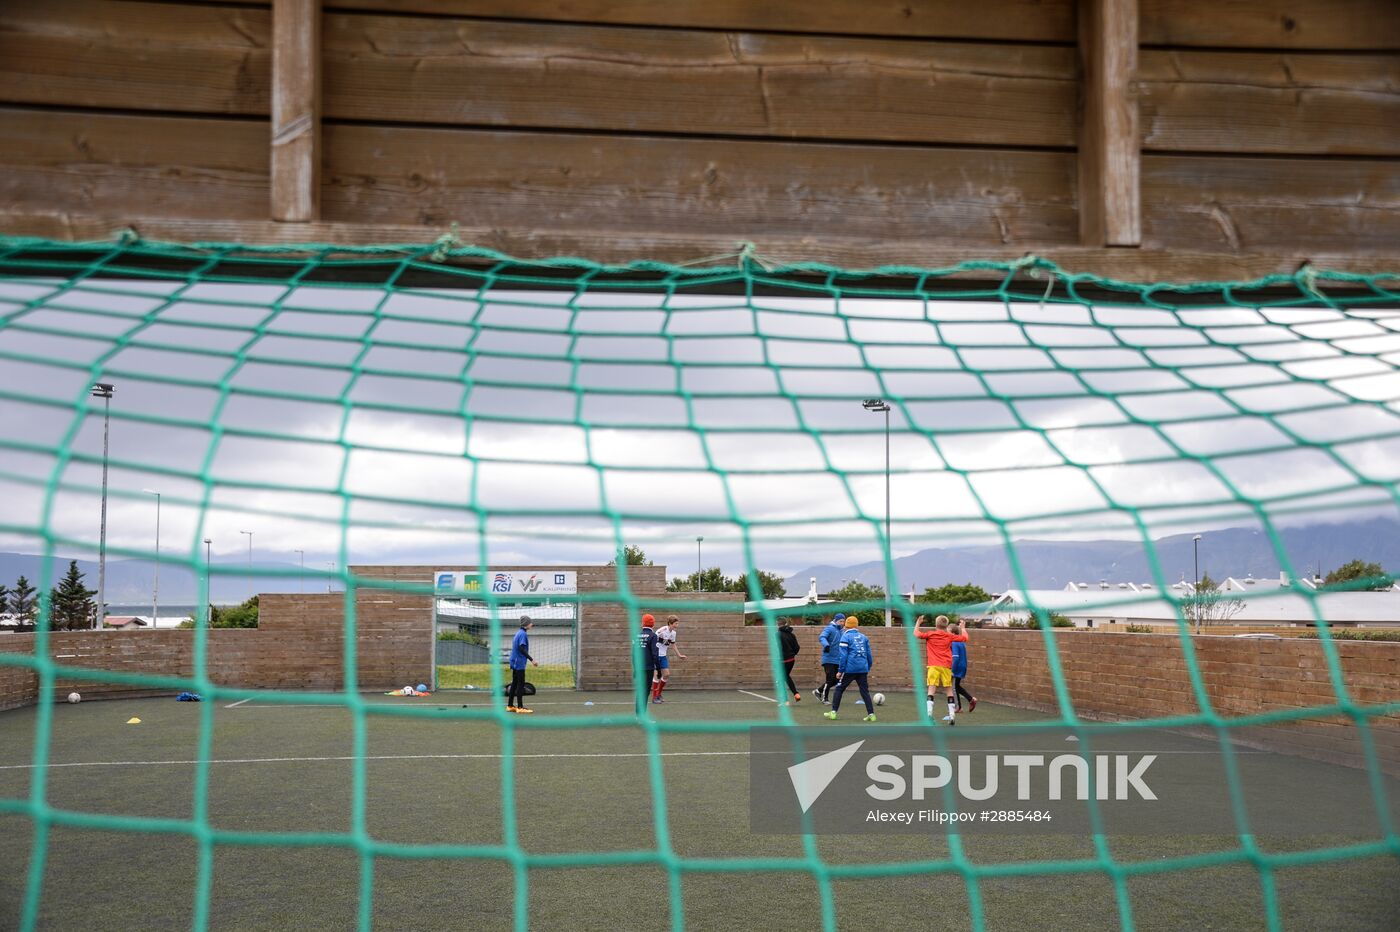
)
(947, 718)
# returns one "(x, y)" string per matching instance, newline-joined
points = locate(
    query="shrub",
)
(1138, 629)
(1359, 634)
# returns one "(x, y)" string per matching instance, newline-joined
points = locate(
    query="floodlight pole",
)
(699, 569)
(155, 587)
(878, 404)
(104, 391)
(250, 562)
(301, 580)
(1196, 586)
(208, 583)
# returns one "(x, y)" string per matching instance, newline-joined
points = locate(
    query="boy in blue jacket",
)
(856, 660)
(960, 669)
(830, 640)
(519, 656)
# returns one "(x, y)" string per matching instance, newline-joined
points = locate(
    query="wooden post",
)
(296, 110)
(1110, 160)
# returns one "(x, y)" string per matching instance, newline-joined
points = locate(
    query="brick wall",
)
(300, 644)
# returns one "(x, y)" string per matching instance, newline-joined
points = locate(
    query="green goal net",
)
(413, 400)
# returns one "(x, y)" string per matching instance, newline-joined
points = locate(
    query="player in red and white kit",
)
(665, 641)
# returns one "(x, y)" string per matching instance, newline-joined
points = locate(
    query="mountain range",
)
(1237, 552)
(129, 581)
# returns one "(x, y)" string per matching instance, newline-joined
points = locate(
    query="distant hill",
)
(129, 581)
(1052, 564)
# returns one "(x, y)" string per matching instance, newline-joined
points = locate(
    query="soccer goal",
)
(465, 646)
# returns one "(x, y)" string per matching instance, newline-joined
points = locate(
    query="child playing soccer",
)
(940, 661)
(665, 640)
(960, 669)
(646, 674)
(856, 660)
(830, 640)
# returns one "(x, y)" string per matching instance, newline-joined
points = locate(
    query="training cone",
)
(133, 721)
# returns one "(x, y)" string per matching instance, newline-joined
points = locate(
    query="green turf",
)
(599, 801)
(478, 676)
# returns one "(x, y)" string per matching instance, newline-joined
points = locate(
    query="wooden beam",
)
(296, 110)
(1110, 203)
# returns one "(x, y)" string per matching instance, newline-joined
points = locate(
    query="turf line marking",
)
(550, 756)
(757, 696)
(234, 705)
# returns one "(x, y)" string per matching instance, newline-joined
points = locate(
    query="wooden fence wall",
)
(855, 131)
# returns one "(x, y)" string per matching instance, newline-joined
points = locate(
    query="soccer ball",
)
(879, 698)
(74, 697)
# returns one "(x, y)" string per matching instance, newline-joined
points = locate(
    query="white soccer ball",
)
(74, 697)
(879, 698)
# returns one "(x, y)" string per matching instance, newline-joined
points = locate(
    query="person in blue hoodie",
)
(519, 657)
(960, 669)
(830, 640)
(856, 660)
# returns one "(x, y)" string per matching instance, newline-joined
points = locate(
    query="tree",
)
(854, 592)
(1370, 575)
(769, 584)
(238, 616)
(4, 598)
(71, 607)
(954, 594)
(714, 581)
(22, 604)
(633, 556)
(1207, 606)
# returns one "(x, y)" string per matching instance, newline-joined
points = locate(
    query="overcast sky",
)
(418, 427)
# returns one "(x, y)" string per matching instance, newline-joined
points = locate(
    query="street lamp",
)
(878, 404)
(104, 391)
(699, 572)
(331, 567)
(1196, 587)
(301, 580)
(1196, 560)
(250, 562)
(155, 587)
(209, 583)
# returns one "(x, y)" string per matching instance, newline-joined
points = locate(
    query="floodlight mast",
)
(104, 391)
(879, 405)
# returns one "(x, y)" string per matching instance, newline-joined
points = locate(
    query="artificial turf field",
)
(433, 780)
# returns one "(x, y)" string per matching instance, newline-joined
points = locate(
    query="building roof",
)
(1271, 605)
(125, 621)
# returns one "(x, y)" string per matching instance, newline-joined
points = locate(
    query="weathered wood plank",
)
(135, 166)
(296, 110)
(1266, 24)
(206, 59)
(519, 181)
(1270, 103)
(734, 188)
(1110, 207)
(1275, 24)
(1245, 205)
(1015, 20)
(81, 176)
(81, 52)
(698, 82)
(1184, 264)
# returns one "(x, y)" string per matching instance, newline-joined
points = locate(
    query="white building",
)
(1270, 601)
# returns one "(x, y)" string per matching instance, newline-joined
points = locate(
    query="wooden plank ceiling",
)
(857, 132)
